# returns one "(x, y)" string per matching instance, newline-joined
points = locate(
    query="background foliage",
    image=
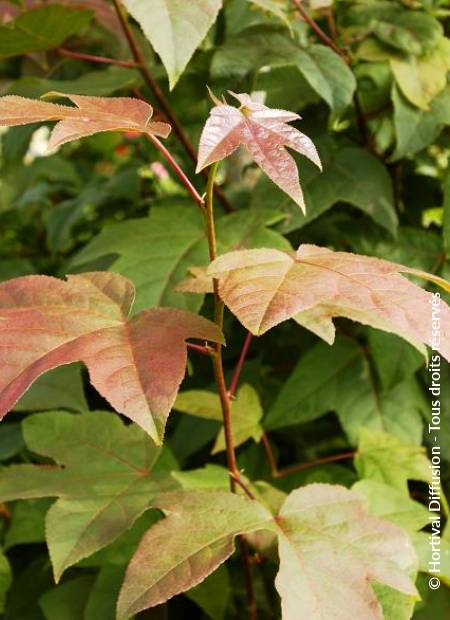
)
(379, 113)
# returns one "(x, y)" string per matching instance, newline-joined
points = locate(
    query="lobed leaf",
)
(185, 547)
(137, 364)
(331, 552)
(384, 458)
(340, 379)
(265, 287)
(351, 175)
(265, 134)
(90, 115)
(246, 413)
(102, 477)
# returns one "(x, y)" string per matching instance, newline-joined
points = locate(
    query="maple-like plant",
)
(199, 460)
(330, 550)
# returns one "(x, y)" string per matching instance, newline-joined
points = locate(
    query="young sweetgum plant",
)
(331, 551)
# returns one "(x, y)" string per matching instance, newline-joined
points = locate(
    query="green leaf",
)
(328, 75)
(414, 247)
(422, 545)
(409, 31)
(15, 267)
(61, 388)
(213, 594)
(286, 88)
(273, 7)
(388, 503)
(11, 440)
(258, 46)
(351, 175)
(340, 379)
(67, 601)
(252, 48)
(156, 252)
(175, 29)
(105, 484)
(311, 388)
(185, 547)
(415, 129)
(434, 603)
(96, 83)
(208, 477)
(41, 29)
(5, 579)
(34, 579)
(387, 459)
(250, 229)
(101, 602)
(446, 232)
(421, 79)
(397, 411)
(395, 605)
(395, 359)
(61, 219)
(27, 522)
(246, 413)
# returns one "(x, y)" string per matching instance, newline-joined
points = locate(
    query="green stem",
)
(235, 476)
(218, 318)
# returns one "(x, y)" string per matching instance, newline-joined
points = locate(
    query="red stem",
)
(243, 486)
(178, 171)
(99, 59)
(199, 348)
(286, 471)
(317, 29)
(239, 365)
(160, 98)
(251, 602)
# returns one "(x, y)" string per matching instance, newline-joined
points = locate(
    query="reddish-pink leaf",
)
(136, 364)
(265, 287)
(265, 133)
(91, 115)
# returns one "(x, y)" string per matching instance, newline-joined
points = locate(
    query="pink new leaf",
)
(136, 364)
(264, 287)
(91, 115)
(264, 132)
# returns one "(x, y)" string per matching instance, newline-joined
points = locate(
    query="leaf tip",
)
(215, 99)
